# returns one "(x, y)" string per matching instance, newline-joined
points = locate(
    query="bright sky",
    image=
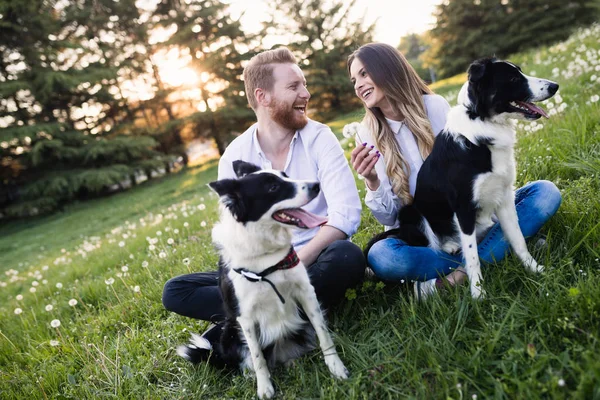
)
(396, 17)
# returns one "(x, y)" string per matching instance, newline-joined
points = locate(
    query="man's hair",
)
(259, 71)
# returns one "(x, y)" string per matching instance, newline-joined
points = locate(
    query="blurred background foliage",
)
(91, 102)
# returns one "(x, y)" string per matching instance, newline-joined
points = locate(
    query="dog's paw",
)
(530, 263)
(451, 247)
(477, 291)
(336, 366)
(533, 266)
(265, 389)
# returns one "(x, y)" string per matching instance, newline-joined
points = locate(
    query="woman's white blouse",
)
(383, 203)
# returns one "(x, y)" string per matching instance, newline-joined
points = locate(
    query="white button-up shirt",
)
(314, 154)
(383, 203)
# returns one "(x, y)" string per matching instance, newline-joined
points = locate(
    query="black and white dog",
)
(262, 281)
(470, 174)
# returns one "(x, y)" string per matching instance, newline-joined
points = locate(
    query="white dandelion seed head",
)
(201, 206)
(185, 224)
(186, 261)
(170, 241)
(350, 129)
(124, 268)
(35, 283)
(45, 268)
(159, 233)
(59, 285)
(131, 257)
(594, 98)
(54, 343)
(136, 289)
(55, 323)
(19, 297)
(121, 244)
(144, 264)
(119, 274)
(203, 224)
(109, 281)
(176, 231)
(151, 247)
(561, 382)
(458, 385)
(474, 397)
(18, 311)
(72, 302)
(32, 289)
(162, 254)
(49, 307)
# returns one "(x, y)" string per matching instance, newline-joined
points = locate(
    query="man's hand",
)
(326, 235)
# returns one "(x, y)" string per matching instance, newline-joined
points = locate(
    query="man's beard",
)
(287, 117)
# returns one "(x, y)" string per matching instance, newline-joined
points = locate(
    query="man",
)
(285, 139)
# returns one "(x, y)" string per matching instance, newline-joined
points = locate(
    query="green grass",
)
(532, 337)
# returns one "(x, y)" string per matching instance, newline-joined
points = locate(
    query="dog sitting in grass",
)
(470, 174)
(266, 291)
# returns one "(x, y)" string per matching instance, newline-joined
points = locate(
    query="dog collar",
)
(289, 261)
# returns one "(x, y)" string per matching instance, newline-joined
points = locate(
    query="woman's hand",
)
(363, 160)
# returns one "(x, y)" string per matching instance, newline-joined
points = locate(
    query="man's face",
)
(289, 97)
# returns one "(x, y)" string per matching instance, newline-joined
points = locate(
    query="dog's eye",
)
(274, 187)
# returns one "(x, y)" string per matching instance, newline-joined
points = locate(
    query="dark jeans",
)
(339, 267)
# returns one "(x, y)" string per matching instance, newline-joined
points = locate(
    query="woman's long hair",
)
(404, 89)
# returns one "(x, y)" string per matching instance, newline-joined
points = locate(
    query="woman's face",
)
(364, 87)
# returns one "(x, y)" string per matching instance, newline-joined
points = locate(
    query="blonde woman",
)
(402, 118)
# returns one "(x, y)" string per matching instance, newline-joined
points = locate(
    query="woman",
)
(397, 133)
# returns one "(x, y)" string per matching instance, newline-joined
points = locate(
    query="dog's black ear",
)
(477, 70)
(478, 91)
(242, 168)
(229, 192)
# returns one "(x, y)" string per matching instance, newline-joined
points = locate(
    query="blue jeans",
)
(393, 260)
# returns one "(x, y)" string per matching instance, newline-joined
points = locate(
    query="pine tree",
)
(412, 46)
(469, 29)
(60, 103)
(323, 36)
(215, 42)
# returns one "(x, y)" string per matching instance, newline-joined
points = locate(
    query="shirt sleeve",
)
(382, 202)
(225, 167)
(437, 111)
(338, 185)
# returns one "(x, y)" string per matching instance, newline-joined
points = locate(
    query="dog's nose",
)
(314, 188)
(553, 88)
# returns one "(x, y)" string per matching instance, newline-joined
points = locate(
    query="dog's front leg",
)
(263, 377)
(308, 300)
(509, 221)
(465, 219)
(472, 264)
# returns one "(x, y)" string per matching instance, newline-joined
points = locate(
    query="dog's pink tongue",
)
(309, 219)
(534, 108)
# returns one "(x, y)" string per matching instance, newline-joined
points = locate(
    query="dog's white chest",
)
(259, 301)
(491, 187)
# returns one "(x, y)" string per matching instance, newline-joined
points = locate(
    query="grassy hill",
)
(99, 268)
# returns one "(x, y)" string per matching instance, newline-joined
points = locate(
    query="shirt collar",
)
(257, 147)
(395, 126)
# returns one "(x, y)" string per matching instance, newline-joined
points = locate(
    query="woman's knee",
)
(386, 259)
(548, 199)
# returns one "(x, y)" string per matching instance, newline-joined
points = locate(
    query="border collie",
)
(470, 174)
(262, 281)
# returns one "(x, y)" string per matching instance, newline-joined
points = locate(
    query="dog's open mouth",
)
(299, 217)
(529, 110)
